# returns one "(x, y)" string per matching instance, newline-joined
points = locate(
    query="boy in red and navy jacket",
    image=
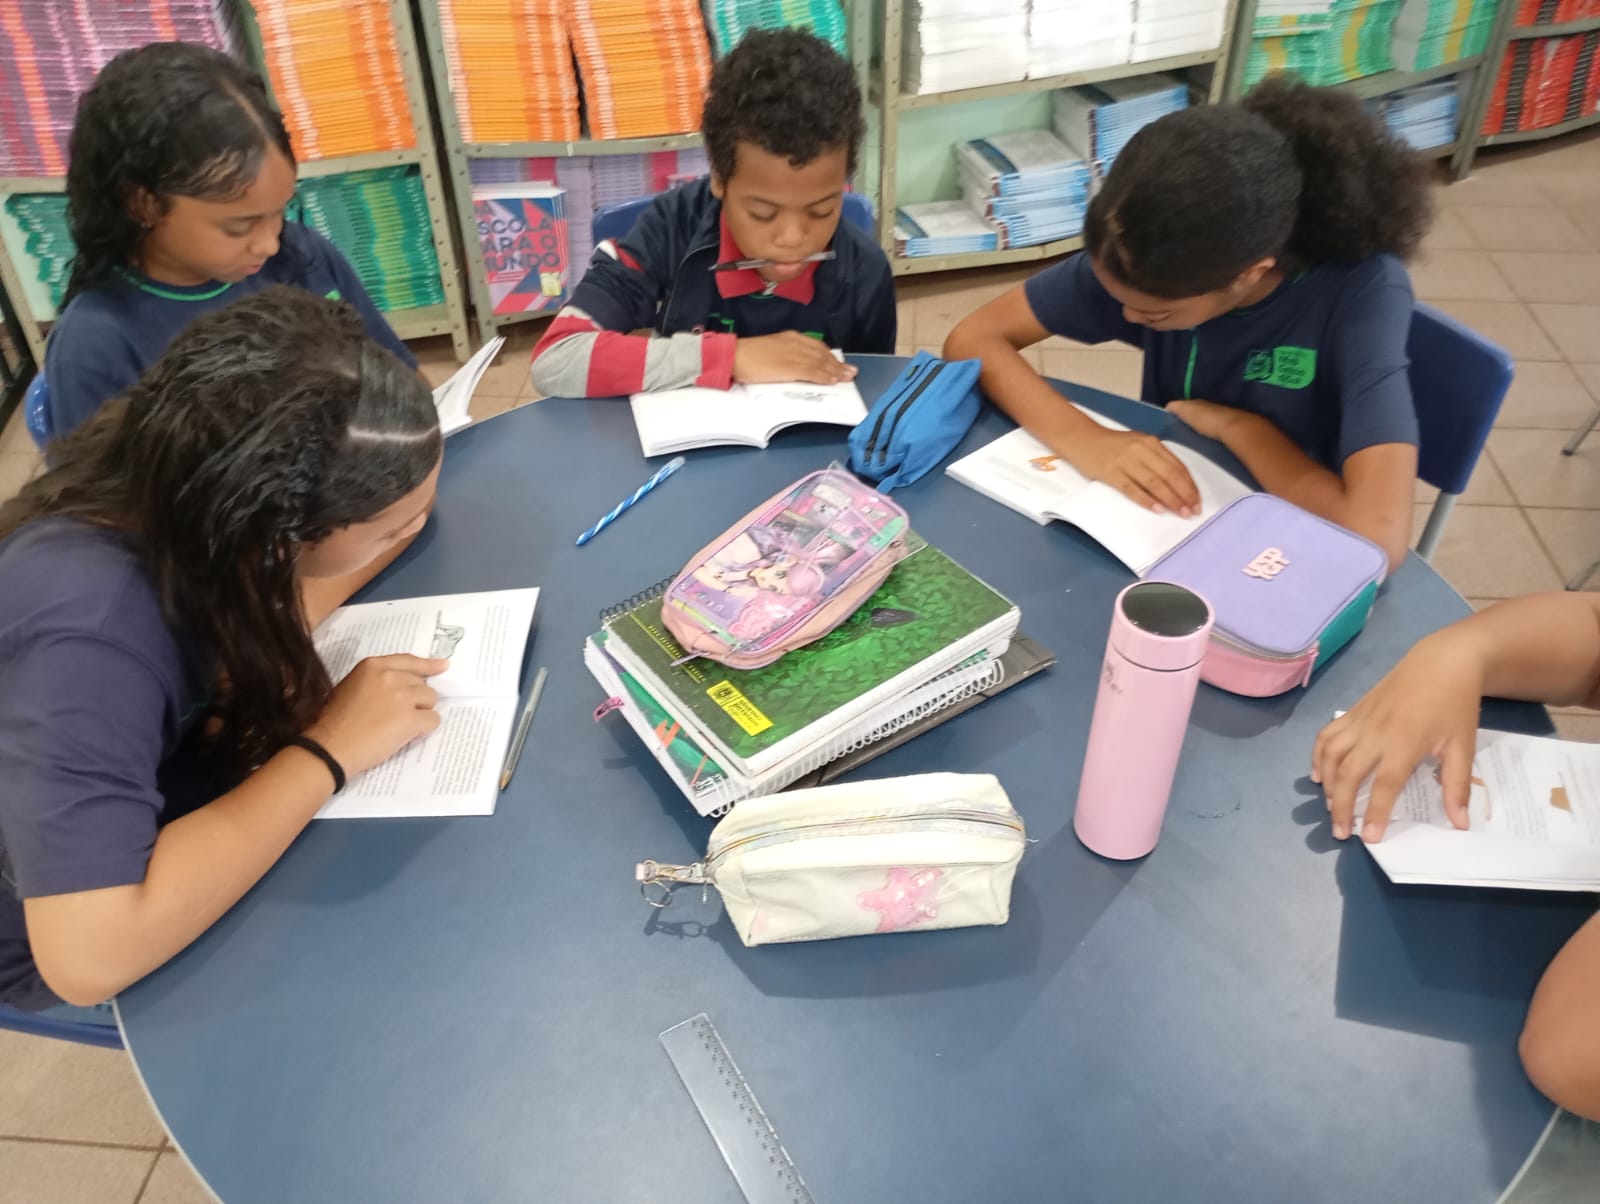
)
(782, 128)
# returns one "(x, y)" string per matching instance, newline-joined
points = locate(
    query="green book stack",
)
(1353, 43)
(730, 20)
(379, 220)
(931, 635)
(1431, 33)
(46, 240)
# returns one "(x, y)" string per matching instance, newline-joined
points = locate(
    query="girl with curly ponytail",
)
(179, 172)
(1255, 253)
(157, 594)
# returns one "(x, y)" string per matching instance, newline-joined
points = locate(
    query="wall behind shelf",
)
(927, 165)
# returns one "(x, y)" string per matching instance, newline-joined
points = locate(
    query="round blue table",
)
(467, 1010)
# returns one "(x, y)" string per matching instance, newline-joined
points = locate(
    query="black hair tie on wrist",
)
(323, 755)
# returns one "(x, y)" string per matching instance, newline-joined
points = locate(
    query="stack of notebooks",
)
(942, 228)
(1164, 28)
(644, 64)
(1430, 33)
(522, 231)
(1352, 42)
(379, 220)
(1544, 82)
(1422, 117)
(931, 637)
(1078, 35)
(730, 20)
(1284, 18)
(336, 74)
(1030, 184)
(47, 242)
(1097, 121)
(510, 70)
(51, 50)
(1548, 12)
(954, 44)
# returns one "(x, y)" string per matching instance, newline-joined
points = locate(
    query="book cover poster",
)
(524, 241)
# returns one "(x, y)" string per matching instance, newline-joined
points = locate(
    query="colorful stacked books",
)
(522, 230)
(1029, 184)
(1349, 42)
(336, 74)
(1422, 117)
(510, 70)
(1544, 82)
(1078, 35)
(1096, 121)
(942, 228)
(730, 20)
(379, 220)
(954, 44)
(51, 50)
(645, 65)
(47, 243)
(931, 636)
(1430, 33)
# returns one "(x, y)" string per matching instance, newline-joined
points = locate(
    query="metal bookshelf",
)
(882, 87)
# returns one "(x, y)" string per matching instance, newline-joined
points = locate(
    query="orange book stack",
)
(510, 69)
(336, 73)
(645, 65)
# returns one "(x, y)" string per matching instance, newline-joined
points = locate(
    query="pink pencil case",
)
(1287, 589)
(788, 572)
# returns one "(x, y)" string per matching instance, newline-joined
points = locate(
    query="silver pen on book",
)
(521, 736)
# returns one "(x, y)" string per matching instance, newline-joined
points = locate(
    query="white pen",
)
(518, 740)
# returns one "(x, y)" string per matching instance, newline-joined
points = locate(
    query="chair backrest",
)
(36, 411)
(36, 1024)
(614, 221)
(1458, 380)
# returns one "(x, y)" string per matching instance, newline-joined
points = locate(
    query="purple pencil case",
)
(1288, 590)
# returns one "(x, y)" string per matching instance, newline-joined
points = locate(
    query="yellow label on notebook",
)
(739, 708)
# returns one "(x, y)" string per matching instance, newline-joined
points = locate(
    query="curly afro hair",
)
(1302, 174)
(786, 91)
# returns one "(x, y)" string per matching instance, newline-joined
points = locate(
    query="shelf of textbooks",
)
(1546, 77)
(924, 99)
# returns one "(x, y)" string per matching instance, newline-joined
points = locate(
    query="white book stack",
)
(1424, 116)
(1163, 28)
(1096, 121)
(955, 44)
(942, 228)
(1029, 183)
(1078, 35)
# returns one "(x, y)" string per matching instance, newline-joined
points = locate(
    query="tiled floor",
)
(1515, 253)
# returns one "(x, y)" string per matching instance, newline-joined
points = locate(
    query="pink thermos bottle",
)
(1159, 632)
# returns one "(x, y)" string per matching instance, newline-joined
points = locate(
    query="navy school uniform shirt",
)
(658, 278)
(100, 703)
(1323, 358)
(107, 337)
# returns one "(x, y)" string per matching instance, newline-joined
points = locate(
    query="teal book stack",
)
(379, 220)
(730, 20)
(43, 219)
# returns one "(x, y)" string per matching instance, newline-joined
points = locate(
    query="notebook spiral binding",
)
(657, 590)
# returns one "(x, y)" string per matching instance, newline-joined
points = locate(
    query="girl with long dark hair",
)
(158, 589)
(179, 171)
(1254, 252)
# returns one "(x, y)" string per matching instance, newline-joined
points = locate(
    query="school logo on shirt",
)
(1285, 367)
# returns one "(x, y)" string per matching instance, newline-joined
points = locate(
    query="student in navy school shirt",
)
(166, 727)
(1254, 252)
(782, 128)
(178, 176)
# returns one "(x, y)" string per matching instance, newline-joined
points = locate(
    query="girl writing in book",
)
(178, 176)
(1544, 648)
(1254, 252)
(166, 728)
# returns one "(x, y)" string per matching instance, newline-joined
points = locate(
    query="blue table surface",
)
(467, 1010)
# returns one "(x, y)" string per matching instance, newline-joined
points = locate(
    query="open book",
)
(1017, 470)
(1534, 819)
(675, 420)
(456, 770)
(453, 397)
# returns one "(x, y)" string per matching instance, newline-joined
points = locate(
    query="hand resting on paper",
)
(1136, 465)
(384, 704)
(788, 356)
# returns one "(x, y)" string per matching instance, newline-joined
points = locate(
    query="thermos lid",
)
(1161, 626)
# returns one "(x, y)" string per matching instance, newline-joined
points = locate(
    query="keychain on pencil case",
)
(909, 854)
(917, 422)
(787, 573)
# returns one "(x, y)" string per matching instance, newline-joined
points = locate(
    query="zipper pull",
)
(664, 877)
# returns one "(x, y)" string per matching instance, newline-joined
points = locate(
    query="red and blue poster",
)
(522, 229)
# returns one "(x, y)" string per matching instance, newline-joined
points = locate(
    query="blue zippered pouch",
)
(917, 422)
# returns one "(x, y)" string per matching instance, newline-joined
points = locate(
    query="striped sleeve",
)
(578, 358)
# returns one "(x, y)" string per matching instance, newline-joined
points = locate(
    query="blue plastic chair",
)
(1458, 380)
(614, 221)
(35, 1024)
(36, 411)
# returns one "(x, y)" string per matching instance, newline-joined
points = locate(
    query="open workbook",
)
(1017, 470)
(456, 769)
(675, 420)
(453, 398)
(1533, 819)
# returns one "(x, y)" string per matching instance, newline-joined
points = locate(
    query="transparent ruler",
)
(748, 1142)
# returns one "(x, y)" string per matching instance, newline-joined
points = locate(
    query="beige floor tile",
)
(1578, 727)
(1061, 344)
(489, 406)
(1458, 276)
(1522, 228)
(1482, 603)
(1448, 232)
(1571, 537)
(1539, 475)
(174, 1183)
(1586, 216)
(1547, 393)
(15, 437)
(1490, 552)
(1113, 371)
(1487, 487)
(16, 468)
(55, 1089)
(507, 377)
(1589, 374)
(1509, 323)
(1485, 186)
(1575, 329)
(935, 316)
(1567, 277)
(37, 1172)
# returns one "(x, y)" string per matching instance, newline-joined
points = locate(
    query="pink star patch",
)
(906, 899)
